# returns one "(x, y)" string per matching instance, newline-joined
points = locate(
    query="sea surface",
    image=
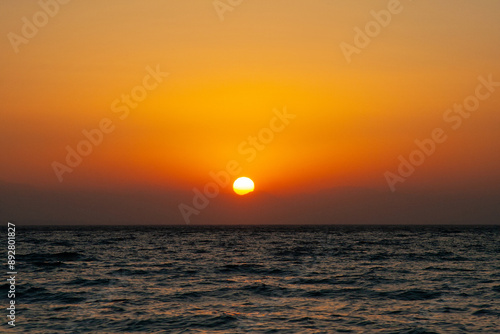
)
(189, 279)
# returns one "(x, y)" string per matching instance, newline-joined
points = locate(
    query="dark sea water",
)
(258, 280)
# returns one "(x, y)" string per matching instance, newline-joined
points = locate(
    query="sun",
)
(243, 186)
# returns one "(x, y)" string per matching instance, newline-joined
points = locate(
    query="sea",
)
(256, 279)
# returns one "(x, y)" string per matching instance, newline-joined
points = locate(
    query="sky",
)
(175, 90)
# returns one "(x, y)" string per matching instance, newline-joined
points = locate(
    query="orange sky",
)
(225, 79)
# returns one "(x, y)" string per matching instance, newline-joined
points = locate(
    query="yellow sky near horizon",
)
(226, 78)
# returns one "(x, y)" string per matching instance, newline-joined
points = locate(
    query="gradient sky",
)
(352, 121)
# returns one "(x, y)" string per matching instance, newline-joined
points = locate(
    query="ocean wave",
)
(259, 280)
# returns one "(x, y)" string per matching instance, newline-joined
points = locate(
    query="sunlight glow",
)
(243, 186)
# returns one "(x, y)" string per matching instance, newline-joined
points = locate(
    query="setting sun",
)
(243, 186)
